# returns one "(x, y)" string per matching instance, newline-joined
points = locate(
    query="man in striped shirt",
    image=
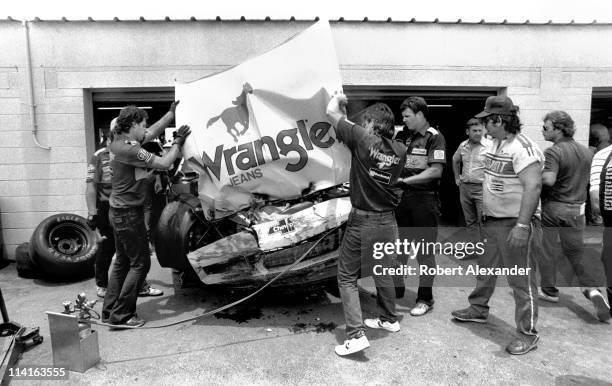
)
(601, 202)
(511, 192)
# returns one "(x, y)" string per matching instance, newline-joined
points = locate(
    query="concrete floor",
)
(289, 339)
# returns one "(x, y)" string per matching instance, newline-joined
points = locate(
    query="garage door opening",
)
(601, 112)
(107, 104)
(449, 110)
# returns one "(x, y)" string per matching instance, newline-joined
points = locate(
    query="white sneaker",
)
(420, 309)
(377, 324)
(602, 307)
(352, 346)
(101, 292)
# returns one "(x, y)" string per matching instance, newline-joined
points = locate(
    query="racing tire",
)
(64, 247)
(172, 236)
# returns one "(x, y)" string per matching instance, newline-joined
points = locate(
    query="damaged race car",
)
(251, 247)
(269, 171)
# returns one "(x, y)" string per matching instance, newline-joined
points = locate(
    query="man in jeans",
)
(511, 193)
(376, 164)
(129, 162)
(97, 193)
(468, 167)
(564, 180)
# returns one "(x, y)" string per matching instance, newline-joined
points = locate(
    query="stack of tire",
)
(62, 247)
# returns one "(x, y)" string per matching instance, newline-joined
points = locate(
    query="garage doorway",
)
(601, 110)
(108, 103)
(449, 110)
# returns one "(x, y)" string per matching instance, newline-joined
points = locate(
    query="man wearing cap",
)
(420, 206)
(511, 192)
(468, 167)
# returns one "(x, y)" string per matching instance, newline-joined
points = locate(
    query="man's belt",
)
(369, 212)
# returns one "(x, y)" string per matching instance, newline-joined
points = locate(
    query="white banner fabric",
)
(260, 127)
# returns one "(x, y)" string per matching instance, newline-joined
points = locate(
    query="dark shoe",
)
(469, 315)
(132, 322)
(550, 294)
(521, 346)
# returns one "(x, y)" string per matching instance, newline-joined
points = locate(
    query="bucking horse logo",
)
(235, 118)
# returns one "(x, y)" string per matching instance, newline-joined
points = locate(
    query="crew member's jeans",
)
(567, 222)
(107, 246)
(499, 254)
(470, 195)
(131, 266)
(419, 211)
(363, 229)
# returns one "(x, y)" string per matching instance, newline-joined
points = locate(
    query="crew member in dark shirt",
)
(564, 180)
(419, 208)
(129, 162)
(376, 165)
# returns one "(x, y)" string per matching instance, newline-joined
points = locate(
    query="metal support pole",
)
(5, 318)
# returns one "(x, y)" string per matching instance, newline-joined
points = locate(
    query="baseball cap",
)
(498, 104)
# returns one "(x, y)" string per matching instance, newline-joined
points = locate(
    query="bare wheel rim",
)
(68, 239)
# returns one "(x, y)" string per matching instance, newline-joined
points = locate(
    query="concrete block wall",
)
(34, 182)
(540, 67)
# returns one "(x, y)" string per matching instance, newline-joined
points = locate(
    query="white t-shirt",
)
(502, 189)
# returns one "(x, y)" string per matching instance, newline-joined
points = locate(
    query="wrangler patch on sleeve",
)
(144, 155)
(439, 154)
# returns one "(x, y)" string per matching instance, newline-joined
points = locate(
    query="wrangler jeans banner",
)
(260, 127)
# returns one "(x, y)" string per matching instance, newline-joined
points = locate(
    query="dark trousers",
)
(499, 254)
(606, 252)
(419, 211)
(131, 266)
(563, 222)
(355, 259)
(107, 246)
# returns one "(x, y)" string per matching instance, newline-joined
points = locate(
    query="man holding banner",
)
(129, 162)
(376, 164)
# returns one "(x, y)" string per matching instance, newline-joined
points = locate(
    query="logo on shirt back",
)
(384, 160)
